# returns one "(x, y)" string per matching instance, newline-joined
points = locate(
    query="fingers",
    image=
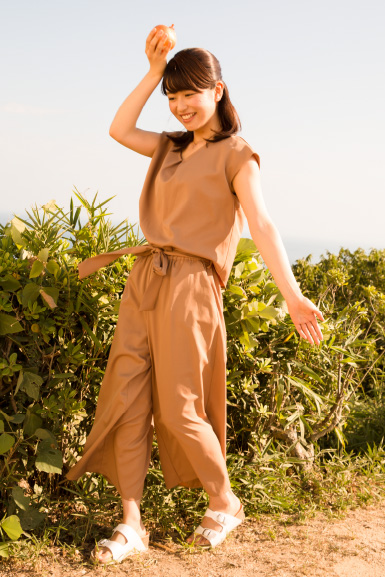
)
(157, 41)
(318, 328)
(319, 315)
(150, 37)
(315, 332)
(305, 333)
(310, 331)
(302, 332)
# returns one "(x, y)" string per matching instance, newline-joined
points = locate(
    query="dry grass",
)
(351, 545)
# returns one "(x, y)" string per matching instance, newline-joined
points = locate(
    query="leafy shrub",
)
(284, 396)
(55, 336)
(281, 388)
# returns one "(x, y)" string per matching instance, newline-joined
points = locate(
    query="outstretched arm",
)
(123, 128)
(304, 313)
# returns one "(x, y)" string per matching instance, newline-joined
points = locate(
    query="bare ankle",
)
(224, 500)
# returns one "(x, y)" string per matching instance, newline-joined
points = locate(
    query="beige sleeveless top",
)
(191, 204)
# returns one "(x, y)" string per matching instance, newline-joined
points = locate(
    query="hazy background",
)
(306, 77)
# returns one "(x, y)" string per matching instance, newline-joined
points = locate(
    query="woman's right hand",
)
(158, 45)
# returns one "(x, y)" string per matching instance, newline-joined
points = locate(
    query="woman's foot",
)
(104, 555)
(229, 504)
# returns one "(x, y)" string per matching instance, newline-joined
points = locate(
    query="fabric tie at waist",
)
(159, 267)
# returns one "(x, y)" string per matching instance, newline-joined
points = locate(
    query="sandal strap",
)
(113, 546)
(214, 537)
(226, 521)
(132, 537)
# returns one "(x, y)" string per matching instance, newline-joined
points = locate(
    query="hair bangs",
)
(183, 75)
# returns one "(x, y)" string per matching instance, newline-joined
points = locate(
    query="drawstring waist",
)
(159, 267)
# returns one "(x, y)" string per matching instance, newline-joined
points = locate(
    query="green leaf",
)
(52, 267)
(11, 525)
(20, 499)
(30, 293)
(4, 551)
(311, 395)
(45, 434)
(17, 227)
(30, 383)
(37, 269)
(279, 396)
(309, 372)
(253, 324)
(340, 436)
(17, 419)
(6, 442)
(352, 356)
(236, 290)
(1, 426)
(43, 255)
(246, 245)
(90, 333)
(48, 458)
(9, 324)
(238, 270)
(251, 309)
(31, 423)
(268, 313)
(254, 288)
(10, 283)
(31, 518)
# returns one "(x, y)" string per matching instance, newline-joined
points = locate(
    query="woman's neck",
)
(207, 131)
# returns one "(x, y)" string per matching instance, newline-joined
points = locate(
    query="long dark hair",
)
(197, 69)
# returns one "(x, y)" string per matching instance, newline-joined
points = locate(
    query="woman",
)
(167, 364)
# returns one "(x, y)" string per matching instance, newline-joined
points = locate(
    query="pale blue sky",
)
(306, 77)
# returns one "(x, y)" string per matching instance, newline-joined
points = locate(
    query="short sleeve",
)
(239, 153)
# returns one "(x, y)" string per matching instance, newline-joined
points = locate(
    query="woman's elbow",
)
(262, 227)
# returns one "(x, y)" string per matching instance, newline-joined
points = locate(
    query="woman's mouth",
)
(187, 117)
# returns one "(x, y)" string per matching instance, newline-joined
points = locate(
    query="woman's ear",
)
(219, 90)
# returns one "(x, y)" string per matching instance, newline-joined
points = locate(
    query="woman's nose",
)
(181, 105)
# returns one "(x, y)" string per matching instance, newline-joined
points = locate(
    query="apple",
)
(169, 30)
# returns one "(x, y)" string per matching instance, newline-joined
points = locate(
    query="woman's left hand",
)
(304, 315)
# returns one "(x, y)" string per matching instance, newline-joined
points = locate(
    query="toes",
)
(203, 540)
(196, 539)
(102, 555)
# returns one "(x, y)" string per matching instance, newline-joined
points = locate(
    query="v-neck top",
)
(191, 205)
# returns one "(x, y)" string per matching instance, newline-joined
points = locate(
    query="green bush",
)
(285, 398)
(343, 281)
(282, 388)
(55, 336)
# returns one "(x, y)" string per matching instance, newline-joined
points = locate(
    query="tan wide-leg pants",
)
(166, 368)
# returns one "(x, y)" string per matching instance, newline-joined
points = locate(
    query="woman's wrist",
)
(155, 74)
(292, 294)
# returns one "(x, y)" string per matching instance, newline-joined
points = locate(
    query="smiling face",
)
(197, 111)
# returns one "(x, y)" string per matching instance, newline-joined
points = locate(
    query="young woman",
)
(167, 364)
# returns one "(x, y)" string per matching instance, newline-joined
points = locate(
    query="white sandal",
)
(135, 544)
(227, 522)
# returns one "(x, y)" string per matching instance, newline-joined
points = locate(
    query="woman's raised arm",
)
(123, 128)
(247, 185)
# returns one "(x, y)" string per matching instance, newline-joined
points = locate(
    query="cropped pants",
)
(166, 370)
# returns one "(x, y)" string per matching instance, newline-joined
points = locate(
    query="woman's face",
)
(196, 110)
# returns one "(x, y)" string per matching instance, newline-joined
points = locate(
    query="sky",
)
(306, 77)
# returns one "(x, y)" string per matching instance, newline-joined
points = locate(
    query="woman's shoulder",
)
(239, 149)
(165, 143)
(237, 142)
